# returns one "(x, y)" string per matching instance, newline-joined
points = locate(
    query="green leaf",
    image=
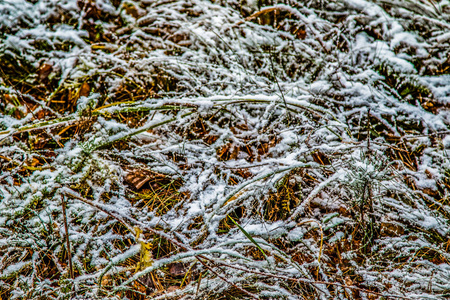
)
(250, 238)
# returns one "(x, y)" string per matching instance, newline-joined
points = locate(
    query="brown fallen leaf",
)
(177, 269)
(85, 90)
(44, 71)
(137, 178)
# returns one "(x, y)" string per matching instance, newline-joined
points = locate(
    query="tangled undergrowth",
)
(198, 149)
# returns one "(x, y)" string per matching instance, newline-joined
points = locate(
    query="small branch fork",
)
(121, 218)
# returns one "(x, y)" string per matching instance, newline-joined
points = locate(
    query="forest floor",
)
(234, 149)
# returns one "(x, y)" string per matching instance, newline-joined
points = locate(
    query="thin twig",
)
(311, 281)
(198, 285)
(223, 278)
(108, 211)
(200, 257)
(369, 127)
(69, 254)
(101, 208)
(279, 88)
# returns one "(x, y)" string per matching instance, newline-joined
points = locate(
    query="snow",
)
(13, 269)
(248, 120)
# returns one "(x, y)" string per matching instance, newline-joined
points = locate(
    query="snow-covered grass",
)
(197, 149)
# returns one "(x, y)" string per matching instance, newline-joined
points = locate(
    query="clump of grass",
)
(287, 196)
(159, 194)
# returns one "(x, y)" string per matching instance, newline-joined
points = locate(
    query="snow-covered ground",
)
(224, 149)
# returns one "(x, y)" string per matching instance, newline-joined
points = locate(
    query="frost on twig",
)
(234, 149)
